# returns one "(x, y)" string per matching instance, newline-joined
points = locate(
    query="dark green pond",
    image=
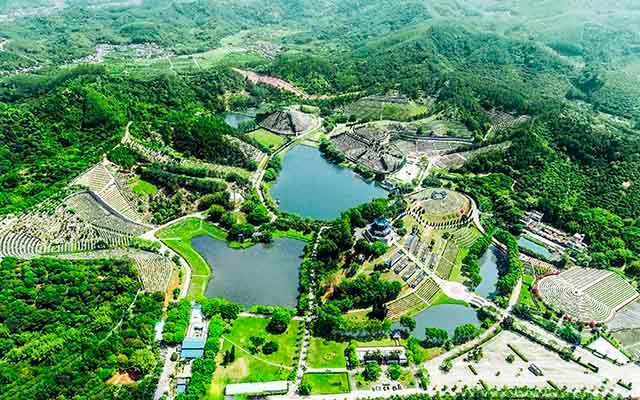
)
(312, 187)
(444, 316)
(260, 274)
(490, 263)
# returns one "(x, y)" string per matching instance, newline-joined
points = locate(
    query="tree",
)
(215, 213)
(305, 389)
(229, 356)
(465, 333)
(279, 321)
(371, 371)
(270, 347)
(435, 337)
(394, 371)
(408, 322)
(142, 361)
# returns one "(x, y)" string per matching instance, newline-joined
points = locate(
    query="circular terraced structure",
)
(587, 294)
(437, 206)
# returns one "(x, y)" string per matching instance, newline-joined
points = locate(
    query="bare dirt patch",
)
(121, 378)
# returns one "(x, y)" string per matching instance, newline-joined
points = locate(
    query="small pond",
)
(312, 187)
(444, 316)
(260, 274)
(528, 244)
(234, 119)
(490, 263)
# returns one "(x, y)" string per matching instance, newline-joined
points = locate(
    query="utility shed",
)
(273, 387)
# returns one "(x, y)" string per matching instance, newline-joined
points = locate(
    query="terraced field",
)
(154, 269)
(587, 294)
(415, 301)
(81, 222)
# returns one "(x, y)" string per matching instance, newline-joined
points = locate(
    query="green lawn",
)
(142, 188)
(330, 383)
(326, 354)
(252, 368)
(293, 234)
(178, 237)
(444, 299)
(266, 138)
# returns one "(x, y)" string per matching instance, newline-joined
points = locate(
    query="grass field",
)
(178, 237)
(326, 354)
(328, 383)
(266, 138)
(254, 368)
(142, 188)
(293, 234)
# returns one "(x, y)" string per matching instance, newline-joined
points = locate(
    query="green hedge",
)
(177, 322)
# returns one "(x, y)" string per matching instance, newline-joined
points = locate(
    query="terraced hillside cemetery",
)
(370, 145)
(587, 294)
(288, 122)
(374, 108)
(625, 328)
(81, 222)
(103, 181)
(441, 208)
(415, 301)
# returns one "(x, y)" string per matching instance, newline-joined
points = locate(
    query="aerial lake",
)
(490, 263)
(260, 274)
(234, 119)
(528, 244)
(312, 187)
(444, 316)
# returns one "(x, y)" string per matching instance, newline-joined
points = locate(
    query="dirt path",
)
(255, 77)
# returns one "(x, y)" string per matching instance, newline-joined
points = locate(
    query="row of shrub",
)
(175, 328)
(203, 172)
(513, 272)
(169, 179)
(471, 264)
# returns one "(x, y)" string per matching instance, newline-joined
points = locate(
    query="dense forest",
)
(68, 327)
(55, 126)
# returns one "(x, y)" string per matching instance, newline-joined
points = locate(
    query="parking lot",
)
(495, 371)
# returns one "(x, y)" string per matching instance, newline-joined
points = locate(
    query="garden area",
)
(324, 353)
(252, 353)
(328, 383)
(267, 138)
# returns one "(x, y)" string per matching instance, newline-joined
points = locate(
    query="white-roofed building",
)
(273, 387)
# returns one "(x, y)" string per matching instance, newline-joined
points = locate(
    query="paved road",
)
(308, 320)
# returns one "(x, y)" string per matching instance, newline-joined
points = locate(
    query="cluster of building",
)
(555, 238)
(192, 346)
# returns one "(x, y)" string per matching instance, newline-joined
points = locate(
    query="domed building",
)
(380, 230)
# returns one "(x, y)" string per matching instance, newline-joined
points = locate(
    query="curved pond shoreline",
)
(312, 187)
(490, 264)
(260, 274)
(444, 316)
